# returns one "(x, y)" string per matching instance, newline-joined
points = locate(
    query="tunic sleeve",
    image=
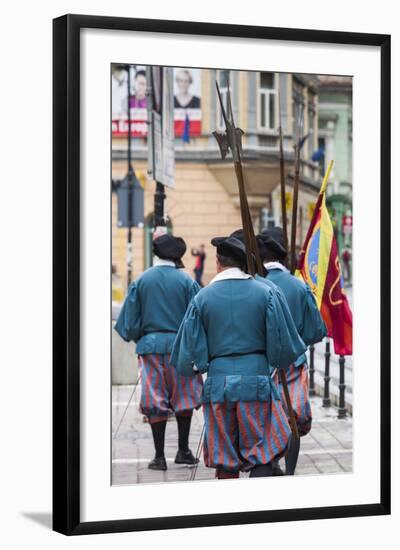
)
(283, 305)
(128, 324)
(313, 329)
(193, 290)
(283, 343)
(190, 346)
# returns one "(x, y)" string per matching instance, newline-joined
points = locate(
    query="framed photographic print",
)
(221, 274)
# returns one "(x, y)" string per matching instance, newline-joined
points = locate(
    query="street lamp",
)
(129, 192)
(154, 112)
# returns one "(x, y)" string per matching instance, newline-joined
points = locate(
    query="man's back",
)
(234, 317)
(233, 313)
(154, 308)
(164, 293)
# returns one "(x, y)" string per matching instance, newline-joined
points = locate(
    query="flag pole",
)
(322, 190)
(326, 177)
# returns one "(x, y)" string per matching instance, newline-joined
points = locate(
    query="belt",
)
(239, 354)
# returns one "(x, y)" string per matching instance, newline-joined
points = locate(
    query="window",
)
(311, 120)
(297, 107)
(298, 120)
(223, 82)
(321, 160)
(266, 102)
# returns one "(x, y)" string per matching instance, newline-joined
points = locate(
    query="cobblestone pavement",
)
(327, 449)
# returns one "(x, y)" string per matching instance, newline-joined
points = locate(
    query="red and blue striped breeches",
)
(297, 379)
(164, 391)
(241, 434)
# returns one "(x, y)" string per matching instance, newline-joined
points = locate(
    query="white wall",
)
(26, 275)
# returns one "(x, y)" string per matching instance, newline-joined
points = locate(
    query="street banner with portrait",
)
(137, 101)
(186, 101)
(168, 129)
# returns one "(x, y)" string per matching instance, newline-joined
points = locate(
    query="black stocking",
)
(183, 431)
(158, 431)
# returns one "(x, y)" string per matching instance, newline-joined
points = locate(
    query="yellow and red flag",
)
(320, 267)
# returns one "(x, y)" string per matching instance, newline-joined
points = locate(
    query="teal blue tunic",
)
(281, 301)
(154, 308)
(235, 330)
(302, 306)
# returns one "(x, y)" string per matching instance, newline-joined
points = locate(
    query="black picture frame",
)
(66, 273)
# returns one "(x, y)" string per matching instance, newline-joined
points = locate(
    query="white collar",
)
(159, 262)
(230, 273)
(275, 265)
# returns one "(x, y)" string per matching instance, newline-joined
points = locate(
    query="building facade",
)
(336, 139)
(205, 202)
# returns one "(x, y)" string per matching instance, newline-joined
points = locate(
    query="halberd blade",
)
(223, 144)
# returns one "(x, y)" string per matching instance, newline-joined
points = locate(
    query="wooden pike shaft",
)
(294, 210)
(283, 181)
(246, 220)
(248, 229)
(292, 418)
(282, 374)
(244, 215)
(251, 243)
(259, 265)
(283, 187)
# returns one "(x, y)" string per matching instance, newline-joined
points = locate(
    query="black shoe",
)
(276, 469)
(261, 470)
(186, 457)
(158, 464)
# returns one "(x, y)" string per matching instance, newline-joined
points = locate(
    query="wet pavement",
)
(327, 449)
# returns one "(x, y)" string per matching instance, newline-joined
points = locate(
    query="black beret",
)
(276, 233)
(168, 247)
(238, 233)
(272, 239)
(231, 247)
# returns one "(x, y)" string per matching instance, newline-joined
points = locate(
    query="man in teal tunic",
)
(239, 234)
(234, 330)
(151, 315)
(309, 324)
